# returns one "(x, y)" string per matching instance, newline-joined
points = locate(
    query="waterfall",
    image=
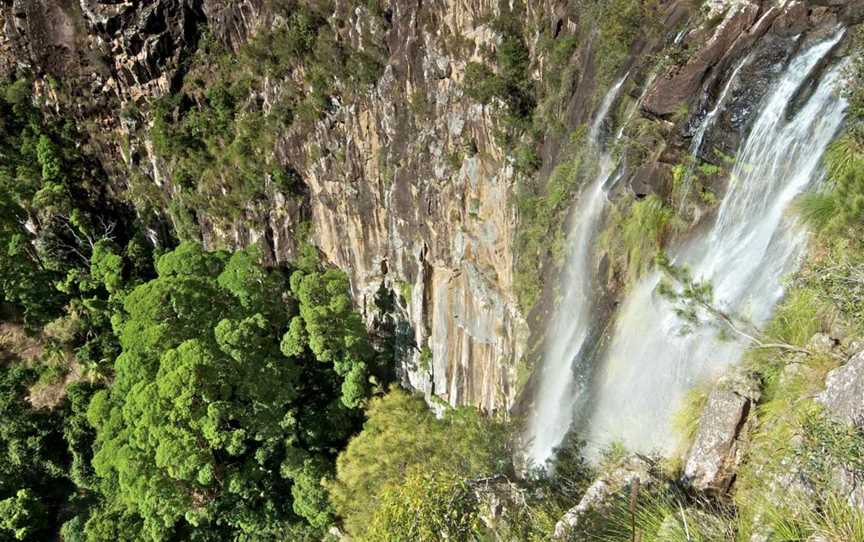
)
(560, 382)
(706, 124)
(649, 365)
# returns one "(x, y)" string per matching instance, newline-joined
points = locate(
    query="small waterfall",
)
(560, 385)
(649, 365)
(706, 124)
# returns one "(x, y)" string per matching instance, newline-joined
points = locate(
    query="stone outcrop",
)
(714, 455)
(843, 397)
(680, 84)
(498, 500)
(423, 205)
(417, 201)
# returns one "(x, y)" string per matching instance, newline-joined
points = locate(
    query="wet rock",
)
(600, 493)
(843, 397)
(792, 21)
(850, 11)
(651, 178)
(714, 455)
(765, 61)
(683, 83)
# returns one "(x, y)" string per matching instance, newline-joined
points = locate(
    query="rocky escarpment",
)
(416, 200)
(408, 184)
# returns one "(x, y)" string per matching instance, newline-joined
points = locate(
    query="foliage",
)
(53, 206)
(401, 435)
(426, 506)
(22, 515)
(542, 211)
(840, 205)
(836, 520)
(215, 135)
(854, 87)
(644, 231)
(656, 513)
(637, 232)
(623, 22)
(333, 331)
(510, 81)
(686, 418)
(209, 424)
(33, 490)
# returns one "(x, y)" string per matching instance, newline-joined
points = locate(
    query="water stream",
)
(649, 365)
(561, 385)
(706, 124)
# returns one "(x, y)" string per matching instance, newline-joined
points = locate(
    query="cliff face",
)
(417, 201)
(409, 186)
(421, 202)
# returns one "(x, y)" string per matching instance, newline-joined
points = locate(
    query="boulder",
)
(650, 179)
(714, 455)
(601, 492)
(822, 343)
(843, 397)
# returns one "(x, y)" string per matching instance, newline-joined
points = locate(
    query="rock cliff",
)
(410, 185)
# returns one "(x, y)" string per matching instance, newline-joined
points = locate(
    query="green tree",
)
(426, 507)
(334, 332)
(402, 434)
(22, 515)
(33, 488)
(209, 427)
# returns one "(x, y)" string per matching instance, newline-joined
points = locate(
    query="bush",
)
(402, 436)
(481, 83)
(510, 82)
(426, 507)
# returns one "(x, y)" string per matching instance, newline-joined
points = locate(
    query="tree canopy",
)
(211, 420)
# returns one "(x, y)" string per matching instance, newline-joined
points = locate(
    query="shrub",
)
(636, 234)
(481, 83)
(426, 507)
(839, 205)
(510, 82)
(400, 435)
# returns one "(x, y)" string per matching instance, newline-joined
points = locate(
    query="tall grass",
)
(685, 421)
(636, 233)
(796, 519)
(840, 204)
(658, 515)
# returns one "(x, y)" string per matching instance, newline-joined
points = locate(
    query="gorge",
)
(444, 270)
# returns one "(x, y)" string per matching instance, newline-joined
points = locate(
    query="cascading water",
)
(649, 365)
(560, 382)
(706, 124)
